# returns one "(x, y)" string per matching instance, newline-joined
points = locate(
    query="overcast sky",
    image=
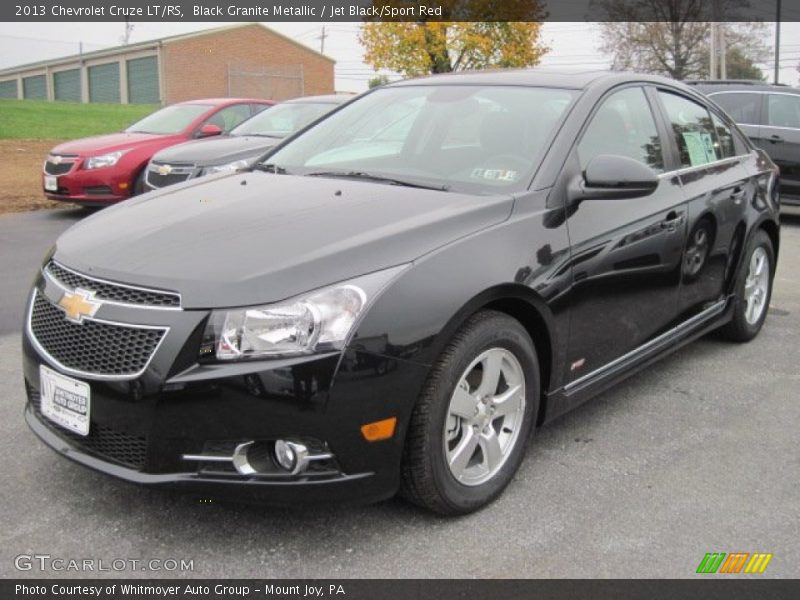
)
(573, 45)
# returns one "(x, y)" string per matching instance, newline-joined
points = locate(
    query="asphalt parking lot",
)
(697, 454)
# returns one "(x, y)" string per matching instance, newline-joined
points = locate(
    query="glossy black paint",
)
(602, 285)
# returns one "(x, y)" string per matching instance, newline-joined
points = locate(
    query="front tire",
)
(139, 185)
(753, 289)
(472, 421)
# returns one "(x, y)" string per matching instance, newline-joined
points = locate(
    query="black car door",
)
(626, 253)
(716, 186)
(780, 137)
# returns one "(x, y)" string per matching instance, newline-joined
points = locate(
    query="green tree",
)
(378, 81)
(741, 67)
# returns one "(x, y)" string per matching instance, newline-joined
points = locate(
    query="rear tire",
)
(472, 421)
(753, 290)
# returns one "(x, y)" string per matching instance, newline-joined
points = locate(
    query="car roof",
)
(324, 99)
(538, 77)
(225, 101)
(736, 85)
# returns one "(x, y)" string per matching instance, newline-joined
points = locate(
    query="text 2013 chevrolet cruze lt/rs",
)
(397, 297)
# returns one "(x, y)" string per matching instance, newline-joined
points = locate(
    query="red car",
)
(100, 170)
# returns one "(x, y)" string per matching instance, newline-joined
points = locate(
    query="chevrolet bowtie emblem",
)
(164, 169)
(79, 304)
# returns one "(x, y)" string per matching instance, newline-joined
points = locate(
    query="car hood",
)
(251, 238)
(103, 144)
(216, 151)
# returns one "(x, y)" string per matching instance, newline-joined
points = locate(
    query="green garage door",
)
(67, 85)
(34, 88)
(104, 83)
(8, 89)
(143, 80)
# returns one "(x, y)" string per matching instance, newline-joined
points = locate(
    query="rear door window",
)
(692, 129)
(743, 107)
(783, 110)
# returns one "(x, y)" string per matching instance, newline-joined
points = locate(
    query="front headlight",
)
(104, 160)
(319, 321)
(231, 167)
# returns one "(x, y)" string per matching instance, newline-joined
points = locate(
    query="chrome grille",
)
(92, 347)
(129, 450)
(110, 291)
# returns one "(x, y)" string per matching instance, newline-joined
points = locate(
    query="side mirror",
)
(613, 177)
(208, 130)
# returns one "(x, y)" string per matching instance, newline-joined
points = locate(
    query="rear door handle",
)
(775, 139)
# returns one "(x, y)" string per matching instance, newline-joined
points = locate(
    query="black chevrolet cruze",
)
(397, 297)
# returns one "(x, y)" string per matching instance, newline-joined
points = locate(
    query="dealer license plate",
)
(65, 401)
(51, 183)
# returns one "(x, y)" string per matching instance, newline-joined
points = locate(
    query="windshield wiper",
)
(274, 137)
(270, 168)
(379, 178)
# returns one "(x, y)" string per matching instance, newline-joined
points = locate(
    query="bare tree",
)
(677, 44)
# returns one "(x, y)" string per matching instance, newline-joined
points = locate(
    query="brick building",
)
(241, 60)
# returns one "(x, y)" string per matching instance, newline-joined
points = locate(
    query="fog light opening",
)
(291, 456)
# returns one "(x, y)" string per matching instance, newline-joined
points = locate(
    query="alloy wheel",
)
(756, 286)
(484, 417)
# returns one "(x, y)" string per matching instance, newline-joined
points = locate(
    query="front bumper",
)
(141, 428)
(93, 187)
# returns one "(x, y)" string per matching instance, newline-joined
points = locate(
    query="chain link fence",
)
(269, 82)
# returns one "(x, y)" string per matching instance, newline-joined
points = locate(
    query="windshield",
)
(283, 119)
(477, 139)
(172, 119)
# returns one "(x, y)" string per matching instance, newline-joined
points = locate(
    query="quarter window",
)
(783, 110)
(623, 125)
(692, 129)
(743, 108)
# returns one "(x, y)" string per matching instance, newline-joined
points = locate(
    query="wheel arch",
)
(772, 230)
(530, 310)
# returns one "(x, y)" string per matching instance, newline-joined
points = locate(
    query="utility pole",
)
(712, 46)
(777, 41)
(723, 70)
(126, 37)
(712, 52)
(321, 39)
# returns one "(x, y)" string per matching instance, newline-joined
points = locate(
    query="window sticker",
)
(700, 147)
(495, 174)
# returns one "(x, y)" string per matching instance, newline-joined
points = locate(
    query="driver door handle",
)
(672, 220)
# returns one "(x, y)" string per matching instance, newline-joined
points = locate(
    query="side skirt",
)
(579, 391)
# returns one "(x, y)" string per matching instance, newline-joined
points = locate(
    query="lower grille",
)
(92, 347)
(104, 442)
(98, 190)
